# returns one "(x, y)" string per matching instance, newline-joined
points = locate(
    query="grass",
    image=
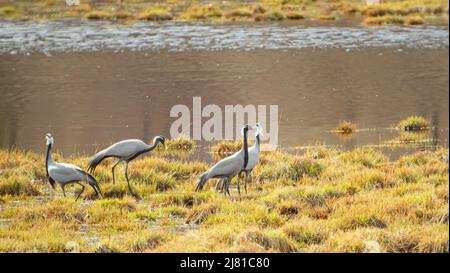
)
(414, 20)
(324, 200)
(292, 15)
(346, 127)
(16, 186)
(154, 14)
(180, 144)
(327, 17)
(241, 12)
(225, 148)
(7, 10)
(411, 137)
(99, 15)
(384, 20)
(407, 12)
(201, 13)
(414, 123)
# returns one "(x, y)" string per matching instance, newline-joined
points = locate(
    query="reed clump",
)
(154, 14)
(99, 15)
(292, 15)
(414, 123)
(241, 12)
(346, 127)
(7, 10)
(225, 147)
(201, 13)
(181, 143)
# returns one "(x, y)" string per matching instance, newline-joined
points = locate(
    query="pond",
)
(91, 83)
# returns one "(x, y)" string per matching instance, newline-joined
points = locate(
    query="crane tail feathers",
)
(201, 182)
(52, 182)
(92, 181)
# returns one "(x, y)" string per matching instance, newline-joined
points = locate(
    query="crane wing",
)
(63, 172)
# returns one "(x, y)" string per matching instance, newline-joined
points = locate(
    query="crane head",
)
(159, 139)
(245, 129)
(259, 129)
(49, 139)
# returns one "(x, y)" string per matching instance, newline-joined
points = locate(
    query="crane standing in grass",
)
(64, 173)
(125, 150)
(228, 167)
(253, 157)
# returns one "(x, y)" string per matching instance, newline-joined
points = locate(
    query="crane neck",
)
(245, 149)
(48, 157)
(151, 147)
(257, 141)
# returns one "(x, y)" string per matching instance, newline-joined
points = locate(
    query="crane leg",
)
(224, 186)
(218, 183)
(99, 191)
(128, 182)
(238, 183)
(82, 190)
(245, 182)
(62, 187)
(112, 170)
(228, 186)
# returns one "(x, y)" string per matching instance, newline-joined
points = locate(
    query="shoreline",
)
(127, 12)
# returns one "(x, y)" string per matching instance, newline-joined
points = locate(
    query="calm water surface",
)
(93, 84)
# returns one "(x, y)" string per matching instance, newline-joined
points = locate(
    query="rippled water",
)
(92, 84)
(98, 36)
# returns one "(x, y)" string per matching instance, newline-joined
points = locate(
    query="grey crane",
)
(64, 173)
(125, 150)
(253, 157)
(228, 167)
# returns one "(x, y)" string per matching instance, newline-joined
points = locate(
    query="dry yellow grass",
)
(410, 12)
(323, 201)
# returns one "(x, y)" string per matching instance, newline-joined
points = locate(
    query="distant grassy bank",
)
(406, 12)
(325, 200)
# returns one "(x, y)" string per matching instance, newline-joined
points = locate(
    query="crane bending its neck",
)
(156, 141)
(150, 148)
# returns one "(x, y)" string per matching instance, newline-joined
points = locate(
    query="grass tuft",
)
(154, 14)
(99, 15)
(414, 123)
(16, 186)
(7, 10)
(202, 13)
(270, 240)
(346, 127)
(241, 12)
(292, 15)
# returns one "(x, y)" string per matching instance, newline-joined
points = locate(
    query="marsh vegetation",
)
(408, 12)
(324, 200)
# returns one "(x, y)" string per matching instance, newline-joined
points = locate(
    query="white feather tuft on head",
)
(259, 129)
(49, 139)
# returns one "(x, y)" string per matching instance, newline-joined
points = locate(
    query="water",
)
(92, 84)
(16, 37)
